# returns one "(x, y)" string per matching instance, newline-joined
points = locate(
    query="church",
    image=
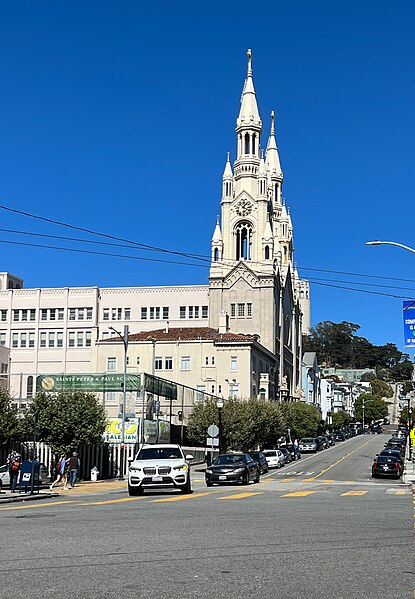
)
(237, 336)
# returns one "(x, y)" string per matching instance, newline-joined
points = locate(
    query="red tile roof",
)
(185, 334)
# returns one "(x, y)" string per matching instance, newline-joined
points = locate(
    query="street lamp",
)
(219, 405)
(399, 245)
(124, 339)
(364, 402)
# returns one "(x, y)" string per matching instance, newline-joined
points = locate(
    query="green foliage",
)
(66, 420)
(245, 424)
(9, 422)
(338, 346)
(381, 389)
(407, 387)
(302, 420)
(340, 419)
(403, 416)
(375, 407)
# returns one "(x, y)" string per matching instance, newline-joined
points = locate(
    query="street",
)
(321, 527)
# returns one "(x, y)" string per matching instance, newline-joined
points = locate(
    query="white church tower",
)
(252, 285)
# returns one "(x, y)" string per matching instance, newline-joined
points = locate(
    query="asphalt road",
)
(319, 528)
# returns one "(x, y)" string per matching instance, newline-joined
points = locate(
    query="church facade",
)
(239, 335)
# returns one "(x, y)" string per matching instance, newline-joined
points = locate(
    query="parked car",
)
(307, 444)
(294, 451)
(5, 477)
(261, 460)
(320, 443)
(386, 466)
(376, 429)
(232, 468)
(339, 436)
(158, 466)
(275, 458)
(398, 446)
(288, 457)
(394, 453)
(325, 441)
(332, 440)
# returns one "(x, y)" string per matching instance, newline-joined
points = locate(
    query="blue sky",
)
(117, 117)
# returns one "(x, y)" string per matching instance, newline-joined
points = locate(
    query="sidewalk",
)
(6, 496)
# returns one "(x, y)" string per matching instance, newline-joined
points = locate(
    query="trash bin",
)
(25, 476)
(94, 474)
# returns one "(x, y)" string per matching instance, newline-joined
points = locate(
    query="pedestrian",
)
(14, 461)
(61, 472)
(74, 465)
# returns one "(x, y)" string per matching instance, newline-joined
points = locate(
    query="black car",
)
(232, 468)
(288, 456)
(376, 429)
(261, 460)
(320, 443)
(393, 453)
(339, 436)
(332, 440)
(294, 451)
(386, 466)
(396, 445)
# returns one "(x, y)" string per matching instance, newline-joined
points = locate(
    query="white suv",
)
(158, 466)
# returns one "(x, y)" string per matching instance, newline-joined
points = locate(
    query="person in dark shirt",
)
(74, 465)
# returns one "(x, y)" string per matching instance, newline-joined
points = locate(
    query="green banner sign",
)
(152, 384)
(87, 382)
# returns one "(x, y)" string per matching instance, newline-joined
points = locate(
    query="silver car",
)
(307, 444)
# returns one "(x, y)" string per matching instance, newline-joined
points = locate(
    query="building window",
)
(201, 390)
(72, 314)
(168, 363)
(190, 311)
(196, 311)
(80, 314)
(52, 314)
(241, 310)
(24, 315)
(143, 313)
(89, 313)
(207, 360)
(51, 339)
(243, 241)
(138, 360)
(71, 339)
(31, 339)
(15, 315)
(233, 390)
(111, 363)
(182, 311)
(212, 389)
(15, 339)
(106, 314)
(2, 339)
(29, 386)
(3, 315)
(233, 310)
(157, 313)
(219, 389)
(42, 341)
(234, 363)
(127, 313)
(267, 252)
(185, 363)
(61, 314)
(249, 310)
(213, 360)
(151, 313)
(110, 396)
(59, 339)
(205, 311)
(158, 363)
(165, 313)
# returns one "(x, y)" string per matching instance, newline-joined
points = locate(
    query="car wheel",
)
(134, 491)
(257, 478)
(374, 475)
(209, 484)
(187, 487)
(246, 479)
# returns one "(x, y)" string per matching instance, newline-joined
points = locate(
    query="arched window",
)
(243, 241)
(246, 143)
(267, 252)
(285, 254)
(262, 393)
(253, 144)
(29, 386)
(216, 255)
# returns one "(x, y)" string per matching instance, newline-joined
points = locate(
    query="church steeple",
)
(248, 123)
(273, 164)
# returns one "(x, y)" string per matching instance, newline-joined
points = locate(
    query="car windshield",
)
(270, 453)
(159, 453)
(228, 459)
(255, 455)
(307, 440)
(386, 459)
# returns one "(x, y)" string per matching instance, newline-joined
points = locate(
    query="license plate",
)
(386, 467)
(222, 477)
(157, 479)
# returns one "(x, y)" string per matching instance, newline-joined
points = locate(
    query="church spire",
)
(248, 123)
(272, 157)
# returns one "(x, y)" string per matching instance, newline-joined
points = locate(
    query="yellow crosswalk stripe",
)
(240, 495)
(308, 480)
(34, 504)
(399, 492)
(299, 494)
(108, 501)
(358, 493)
(182, 497)
(329, 480)
(287, 480)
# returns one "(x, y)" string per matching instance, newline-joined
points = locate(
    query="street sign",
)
(212, 442)
(213, 430)
(409, 323)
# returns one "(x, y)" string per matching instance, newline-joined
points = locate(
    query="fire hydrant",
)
(94, 474)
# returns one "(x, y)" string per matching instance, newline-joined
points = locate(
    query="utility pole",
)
(124, 339)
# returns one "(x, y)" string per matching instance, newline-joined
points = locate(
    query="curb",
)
(28, 497)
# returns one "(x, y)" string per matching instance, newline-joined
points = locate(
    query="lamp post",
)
(219, 405)
(124, 339)
(364, 402)
(399, 245)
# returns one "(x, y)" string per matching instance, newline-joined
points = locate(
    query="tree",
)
(9, 422)
(341, 419)
(302, 419)
(381, 389)
(375, 407)
(245, 424)
(66, 420)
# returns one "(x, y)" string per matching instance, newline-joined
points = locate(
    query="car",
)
(325, 441)
(307, 444)
(320, 443)
(237, 468)
(332, 440)
(288, 457)
(376, 429)
(339, 436)
(5, 477)
(275, 458)
(294, 451)
(394, 453)
(398, 446)
(386, 420)
(162, 465)
(261, 460)
(386, 466)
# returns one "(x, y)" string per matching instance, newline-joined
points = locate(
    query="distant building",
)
(311, 379)
(348, 375)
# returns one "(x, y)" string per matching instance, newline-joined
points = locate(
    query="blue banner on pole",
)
(409, 323)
